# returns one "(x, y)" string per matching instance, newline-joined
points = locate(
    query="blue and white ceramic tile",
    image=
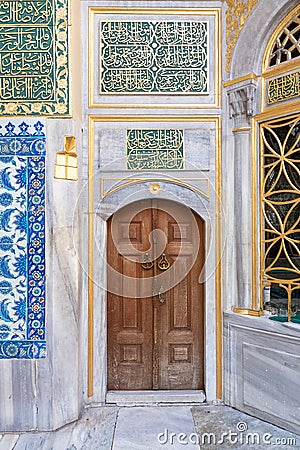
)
(22, 239)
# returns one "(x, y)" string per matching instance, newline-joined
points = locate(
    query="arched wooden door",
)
(155, 339)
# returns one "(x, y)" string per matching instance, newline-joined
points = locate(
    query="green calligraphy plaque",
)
(153, 57)
(284, 88)
(154, 149)
(34, 57)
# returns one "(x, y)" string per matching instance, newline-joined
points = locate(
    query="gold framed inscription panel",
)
(157, 39)
(34, 54)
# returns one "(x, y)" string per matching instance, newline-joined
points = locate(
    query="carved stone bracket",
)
(242, 102)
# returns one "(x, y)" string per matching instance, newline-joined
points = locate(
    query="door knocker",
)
(147, 263)
(163, 263)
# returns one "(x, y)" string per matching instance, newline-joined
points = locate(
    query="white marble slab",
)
(154, 428)
(134, 398)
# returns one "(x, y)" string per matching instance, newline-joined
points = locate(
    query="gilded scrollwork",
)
(34, 57)
(236, 15)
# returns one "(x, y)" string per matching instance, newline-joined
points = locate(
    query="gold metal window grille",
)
(286, 46)
(280, 203)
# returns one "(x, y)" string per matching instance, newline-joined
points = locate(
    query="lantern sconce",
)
(66, 162)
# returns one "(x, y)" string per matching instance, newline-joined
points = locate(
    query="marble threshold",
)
(144, 398)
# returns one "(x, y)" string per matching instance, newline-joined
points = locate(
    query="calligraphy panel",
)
(34, 57)
(154, 149)
(283, 88)
(22, 240)
(153, 57)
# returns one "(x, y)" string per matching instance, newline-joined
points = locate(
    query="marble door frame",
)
(206, 203)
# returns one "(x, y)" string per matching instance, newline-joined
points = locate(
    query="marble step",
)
(131, 398)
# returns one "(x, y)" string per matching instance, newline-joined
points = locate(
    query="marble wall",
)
(261, 358)
(261, 369)
(110, 116)
(44, 393)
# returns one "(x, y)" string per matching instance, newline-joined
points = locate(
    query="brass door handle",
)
(147, 263)
(163, 263)
(162, 295)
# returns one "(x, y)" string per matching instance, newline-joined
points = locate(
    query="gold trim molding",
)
(130, 181)
(236, 15)
(248, 312)
(249, 76)
(216, 119)
(237, 129)
(281, 110)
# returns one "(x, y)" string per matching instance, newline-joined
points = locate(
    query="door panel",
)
(155, 345)
(129, 320)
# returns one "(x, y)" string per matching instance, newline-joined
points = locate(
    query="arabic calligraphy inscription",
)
(34, 57)
(153, 57)
(154, 149)
(284, 87)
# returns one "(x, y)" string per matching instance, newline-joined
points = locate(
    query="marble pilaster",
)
(241, 99)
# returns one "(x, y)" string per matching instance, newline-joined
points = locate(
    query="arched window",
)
(280, 173)
(286, 45)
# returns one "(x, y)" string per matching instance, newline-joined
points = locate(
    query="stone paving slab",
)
(154, 428)
(157, 427)
(222, 427)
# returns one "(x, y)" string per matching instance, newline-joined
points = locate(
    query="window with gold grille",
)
(287, 43)
(280, 215)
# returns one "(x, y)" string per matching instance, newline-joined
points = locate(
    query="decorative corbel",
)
(242, 101)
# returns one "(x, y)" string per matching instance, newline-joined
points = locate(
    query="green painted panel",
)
(284, 88)
(153, 57)
(155, 149)
(34, 74)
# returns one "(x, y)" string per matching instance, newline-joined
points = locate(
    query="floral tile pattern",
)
(22, 239)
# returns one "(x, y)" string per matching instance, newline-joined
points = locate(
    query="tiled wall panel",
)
(22, 239)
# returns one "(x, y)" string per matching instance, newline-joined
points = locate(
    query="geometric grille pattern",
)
(281, 200)
(287, 44)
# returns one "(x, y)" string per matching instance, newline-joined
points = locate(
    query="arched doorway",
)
(155, 318)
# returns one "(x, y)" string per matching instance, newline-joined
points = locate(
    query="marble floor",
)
(157, 427)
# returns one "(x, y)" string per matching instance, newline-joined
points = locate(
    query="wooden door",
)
(155, 341)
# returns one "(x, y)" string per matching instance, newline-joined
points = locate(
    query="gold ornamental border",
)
(204, 12)
(215, 119)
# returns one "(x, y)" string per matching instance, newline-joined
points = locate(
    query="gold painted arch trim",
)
(131, 181)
